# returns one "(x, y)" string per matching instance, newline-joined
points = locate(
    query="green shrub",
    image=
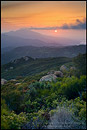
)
(13, 121)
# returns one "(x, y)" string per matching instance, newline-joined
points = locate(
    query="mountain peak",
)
(22, 59)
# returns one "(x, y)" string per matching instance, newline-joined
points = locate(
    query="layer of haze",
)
(45, 14)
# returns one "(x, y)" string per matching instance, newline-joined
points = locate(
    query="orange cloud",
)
(40, 13)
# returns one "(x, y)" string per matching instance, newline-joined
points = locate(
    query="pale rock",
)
(3, 81)
(50, 77)
(58, 73)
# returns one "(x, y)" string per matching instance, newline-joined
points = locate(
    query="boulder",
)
(50, 77)
(11, 68)
(63, 68)
(3, 81)
(13, 80)
(17, 83)
(58, 73)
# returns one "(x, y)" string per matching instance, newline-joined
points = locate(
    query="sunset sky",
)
(68, 18)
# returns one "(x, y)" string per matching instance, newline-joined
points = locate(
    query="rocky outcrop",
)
(26, 58)
(23, 59)
(58, 73)
(15, 61)
(63, 68)
(50, 77)
(3, 81)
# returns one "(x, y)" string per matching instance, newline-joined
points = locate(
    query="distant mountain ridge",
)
(26, 37)
(42, 52)
(16, 41)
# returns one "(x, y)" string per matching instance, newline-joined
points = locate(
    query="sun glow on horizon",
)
(59, 19)
(55, 31)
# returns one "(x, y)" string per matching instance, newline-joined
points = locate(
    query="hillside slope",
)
(31, 66)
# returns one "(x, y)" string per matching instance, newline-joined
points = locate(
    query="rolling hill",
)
(27, 66)
(42, 52)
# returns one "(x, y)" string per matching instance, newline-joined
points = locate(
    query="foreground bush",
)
(63, 118)
(13, 121)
